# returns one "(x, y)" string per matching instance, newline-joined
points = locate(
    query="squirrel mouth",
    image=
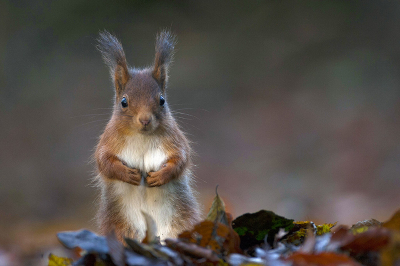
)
(145, 129)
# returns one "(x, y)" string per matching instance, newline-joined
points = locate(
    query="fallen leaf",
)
(321, 259)
(116, 249)
(171, 254)
(59, 261)
(394, 222)
(390, 255)
(216, 231)
(133, 259)
(145, 250)
(363, 226)
(234, 239)
(217, 210)
(208, 234)
(374, 239)
(341, 235)
(241, 260)
(192, 249)
(85, 240)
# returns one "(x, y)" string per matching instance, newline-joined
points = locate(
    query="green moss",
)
(241, 230)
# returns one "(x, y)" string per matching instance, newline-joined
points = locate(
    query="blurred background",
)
(292, 106)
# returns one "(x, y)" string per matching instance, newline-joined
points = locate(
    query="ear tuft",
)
(114, 56)
(165, 43)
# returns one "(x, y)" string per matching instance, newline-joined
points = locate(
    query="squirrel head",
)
(140, 95)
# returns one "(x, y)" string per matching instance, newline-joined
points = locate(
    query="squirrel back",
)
(143, 158)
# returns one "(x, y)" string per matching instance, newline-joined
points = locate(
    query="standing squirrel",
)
(143, 158)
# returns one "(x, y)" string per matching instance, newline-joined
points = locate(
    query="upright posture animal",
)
(143, 158)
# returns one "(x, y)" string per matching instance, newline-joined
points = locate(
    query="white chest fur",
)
(146, 154)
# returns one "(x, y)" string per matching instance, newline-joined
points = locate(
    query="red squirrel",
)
(143, 158)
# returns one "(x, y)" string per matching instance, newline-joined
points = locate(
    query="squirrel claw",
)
(155, 179)
(133, 176)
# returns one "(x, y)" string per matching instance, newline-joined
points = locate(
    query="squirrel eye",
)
(162, 100)
(124, 102)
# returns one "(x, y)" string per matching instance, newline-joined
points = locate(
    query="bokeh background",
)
(292, 106)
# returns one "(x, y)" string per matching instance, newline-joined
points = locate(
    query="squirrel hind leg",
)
(111, 220)
(121, 228)
(188, 214)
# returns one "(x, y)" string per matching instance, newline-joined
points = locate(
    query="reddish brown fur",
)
(142, 89)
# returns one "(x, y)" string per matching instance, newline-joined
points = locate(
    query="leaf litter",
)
(261, 238)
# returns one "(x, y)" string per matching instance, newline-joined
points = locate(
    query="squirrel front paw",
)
(159, 178)
(132, 176)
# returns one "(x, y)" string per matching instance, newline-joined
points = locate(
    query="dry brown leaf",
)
(146, 250)
(394, 222)
(375, 239)
(191, 249)
(341, 234)
(234, 239)
(390, 255)
(207, 234)
(321, 259)
(217, 210)
(215, 236)
(216, 232)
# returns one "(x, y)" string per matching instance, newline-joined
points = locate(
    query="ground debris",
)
(261, 238)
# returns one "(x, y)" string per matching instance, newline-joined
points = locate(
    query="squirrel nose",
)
(145, 121)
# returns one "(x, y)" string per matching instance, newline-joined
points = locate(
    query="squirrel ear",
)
(121, 76)
(165, 43)
(114, 56)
